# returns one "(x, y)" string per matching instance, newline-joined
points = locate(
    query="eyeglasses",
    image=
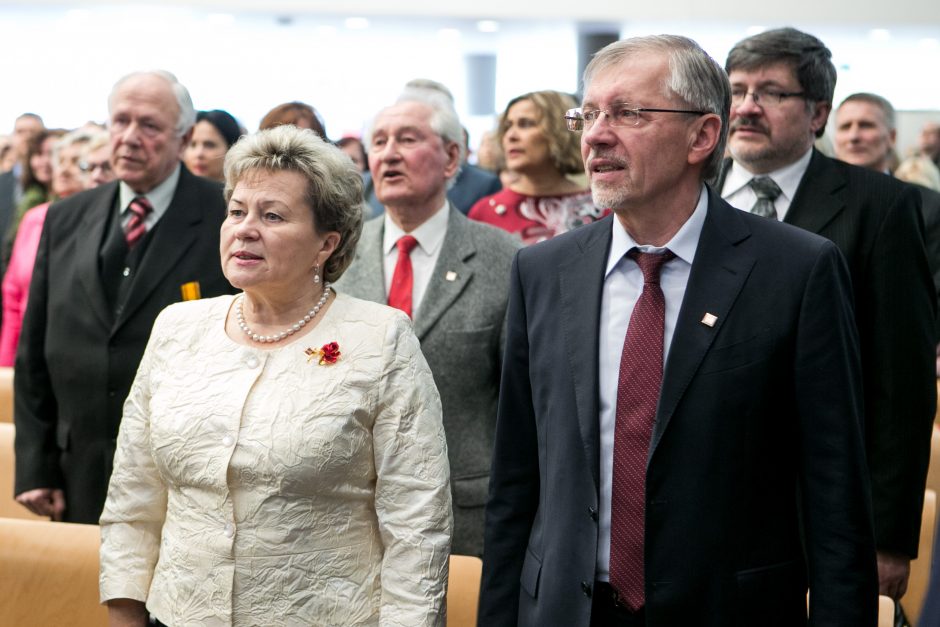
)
(88, 166)
(618, 115)
(763, 97)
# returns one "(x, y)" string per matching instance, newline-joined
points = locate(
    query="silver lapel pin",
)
(709, 320)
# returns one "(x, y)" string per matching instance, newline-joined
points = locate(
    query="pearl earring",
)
(316, 273)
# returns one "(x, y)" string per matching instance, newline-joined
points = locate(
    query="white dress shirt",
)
(623, 284)
(160, 198)
(738, 193)
(430, 236)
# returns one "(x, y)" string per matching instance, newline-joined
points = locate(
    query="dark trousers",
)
(605, 612)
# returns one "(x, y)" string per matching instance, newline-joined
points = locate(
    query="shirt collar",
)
(787, 178)
(430, 234)
(159, 197)
(683, 244)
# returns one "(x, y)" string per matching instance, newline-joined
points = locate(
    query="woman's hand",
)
(43, 502)
(126, 613)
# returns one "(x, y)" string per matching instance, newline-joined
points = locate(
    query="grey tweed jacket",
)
(461, 326)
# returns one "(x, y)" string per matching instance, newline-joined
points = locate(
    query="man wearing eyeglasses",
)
(679, 435)
(782, 83)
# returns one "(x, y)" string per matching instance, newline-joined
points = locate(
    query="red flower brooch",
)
(326, 355)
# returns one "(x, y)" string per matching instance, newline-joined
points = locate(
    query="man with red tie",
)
(451, 275)
(679, 436)
(109, 260)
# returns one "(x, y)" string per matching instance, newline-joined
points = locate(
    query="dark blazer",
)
(756, 449)
(8, 185)
(930, 210)
(460, 323)
(76, 359)
(875, 222)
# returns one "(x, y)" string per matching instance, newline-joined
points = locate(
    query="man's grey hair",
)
(427, 83)
(876, 101)
(187, 113)
(334, 185)
(695, 78)
(808, 56)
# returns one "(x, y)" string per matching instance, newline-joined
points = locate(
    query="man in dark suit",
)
(782, 83)
(680, 449)
(457, 277)
(865, 134)
(109, 260)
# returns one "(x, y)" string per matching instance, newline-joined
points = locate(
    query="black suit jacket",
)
(930, 210)
(757, 445)
(76, 360)
(875, 221)
(8, 184)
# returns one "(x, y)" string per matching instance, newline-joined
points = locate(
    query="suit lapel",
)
(451, 274)
(816, 202)
(580, 285)
(173, 236)
(718, 274)
(97, 215)
(367, 277)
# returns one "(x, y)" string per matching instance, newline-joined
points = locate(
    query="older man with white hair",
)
(451, 275)
(109, 260)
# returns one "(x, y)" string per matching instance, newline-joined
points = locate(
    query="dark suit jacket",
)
(757, 445)
(460, 324)
(930, 210)
(8, 185)
(875, 222)
(76, 359)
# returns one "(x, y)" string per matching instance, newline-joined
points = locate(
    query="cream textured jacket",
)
(257, 487)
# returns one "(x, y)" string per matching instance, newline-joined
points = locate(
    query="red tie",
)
(136, 228)
(399, 295)
(641, 376)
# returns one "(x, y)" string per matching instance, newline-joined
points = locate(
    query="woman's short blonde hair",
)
(563, 145)
(334, 186)
(920, 170)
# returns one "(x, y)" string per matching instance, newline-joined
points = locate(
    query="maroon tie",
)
(136, 227)
(399, 295)
(641, 376)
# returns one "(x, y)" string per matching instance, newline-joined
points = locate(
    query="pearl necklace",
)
(294, 328)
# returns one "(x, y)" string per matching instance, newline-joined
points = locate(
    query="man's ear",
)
(703, 138)
(821, 111)
(453, 159)
(185, 139)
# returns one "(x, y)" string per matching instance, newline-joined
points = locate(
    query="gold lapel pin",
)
(709, 320)
(451, 275)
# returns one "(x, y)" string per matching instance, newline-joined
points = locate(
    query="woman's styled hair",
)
(293, 113)
(334, 185)
(563, 145)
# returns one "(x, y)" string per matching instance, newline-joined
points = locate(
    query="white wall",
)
(60, 62)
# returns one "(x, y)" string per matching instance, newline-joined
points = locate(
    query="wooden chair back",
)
(6, 394)
(49, 574)
(8, 507)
